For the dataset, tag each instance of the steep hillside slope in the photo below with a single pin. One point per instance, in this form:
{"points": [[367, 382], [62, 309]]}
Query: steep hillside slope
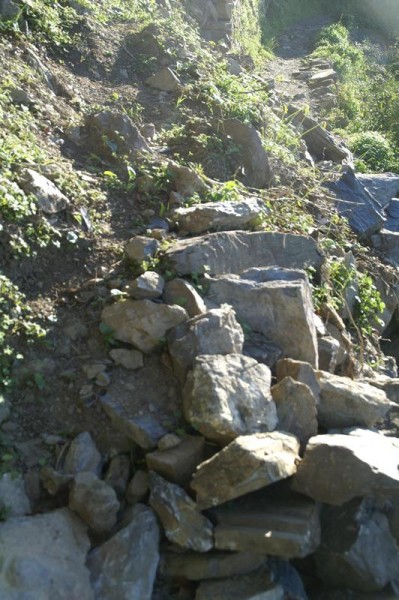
{"points": [[199, 297]]}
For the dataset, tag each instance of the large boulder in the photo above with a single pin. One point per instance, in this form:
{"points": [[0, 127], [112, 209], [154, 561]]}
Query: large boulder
{"points": [[214, 332], [44, 557], [247, 464], [221, 216], [228, 396], [183, 523], [281, 310], [347, 403], [124, 567], [357, 548], [258, 172], [237, 251], [142, 323], [340, 466]]}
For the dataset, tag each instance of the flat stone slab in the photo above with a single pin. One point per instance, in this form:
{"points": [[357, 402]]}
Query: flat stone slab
{"points": [[249, 463], [196, 566], [275, 522], [256, 586], [236, 251], [340, 466], [221, 216], [382, 186], [347, 403]]}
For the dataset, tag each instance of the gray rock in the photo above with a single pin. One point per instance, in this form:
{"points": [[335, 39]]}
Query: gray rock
{"points": [[258, 172], [20, 96], [169, 441], [329, 350], [117, 474], [9, 10], [148, 285], [321, 76], [214, 332], [4, 409], [258, 347], [138, 488], [124, 567], [142, 323], [382, 186], [228, 396], [257, 586], [94, 501], [44, 557], [300, 371], [388, 385], [186, 181], [49, 198], [247, 464], [274, 521], [211, 565], [82, 455], [144, 404], [165, 80], [296, 409], [14, 501], [183, 523], [280, 310], [234, 252], [321, 144], [357, 548], [129, 359], [55, 482], [144, 430], [370, 467], [347, 403], [178, 464], [141, 248], [181, 292], [221, 216], [354, 201], [289, 579], [34, 61], [113, 134]]}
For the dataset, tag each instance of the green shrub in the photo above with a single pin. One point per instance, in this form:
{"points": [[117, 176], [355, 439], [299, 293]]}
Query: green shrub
{"points": [[373, 152]]}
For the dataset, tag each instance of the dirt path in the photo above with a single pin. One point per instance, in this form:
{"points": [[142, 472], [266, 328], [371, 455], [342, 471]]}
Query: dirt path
{"points": [[293, 46]]}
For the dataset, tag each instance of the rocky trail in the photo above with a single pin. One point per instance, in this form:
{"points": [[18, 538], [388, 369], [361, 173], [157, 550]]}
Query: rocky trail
{"points": [[193, 428]]}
